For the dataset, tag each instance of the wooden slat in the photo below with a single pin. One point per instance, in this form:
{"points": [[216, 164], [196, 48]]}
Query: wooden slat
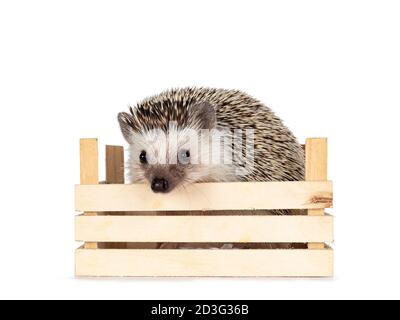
{"points": [[89, 171], [206, 196], [114, 164], [114, 174], [316, 159], [204, 228], [89, 163], [205, 263], [316, 170]]}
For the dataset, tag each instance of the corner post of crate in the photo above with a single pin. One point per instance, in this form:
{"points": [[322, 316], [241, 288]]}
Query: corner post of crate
{"points": [[316, 155], [89, 167]]}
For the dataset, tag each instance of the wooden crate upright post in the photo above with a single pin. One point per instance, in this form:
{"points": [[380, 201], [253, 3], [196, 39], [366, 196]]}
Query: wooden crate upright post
{"points": [[316, 170], [115, 175], [89, 166], [115, 165]]}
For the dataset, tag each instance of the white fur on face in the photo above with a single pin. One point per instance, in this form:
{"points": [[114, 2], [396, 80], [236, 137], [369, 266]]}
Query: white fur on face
{"points": [[210, 154]]}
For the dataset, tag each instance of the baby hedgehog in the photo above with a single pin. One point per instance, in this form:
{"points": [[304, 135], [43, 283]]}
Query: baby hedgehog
{"points": [[190, 135]]}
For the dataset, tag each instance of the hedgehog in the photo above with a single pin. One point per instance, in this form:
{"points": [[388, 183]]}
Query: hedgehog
{"points": [[164, 133]]}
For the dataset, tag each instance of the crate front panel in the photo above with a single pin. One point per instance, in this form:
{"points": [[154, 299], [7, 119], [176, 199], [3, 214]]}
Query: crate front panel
{"points": [[204, 228], [206, 196], [204, 263]]}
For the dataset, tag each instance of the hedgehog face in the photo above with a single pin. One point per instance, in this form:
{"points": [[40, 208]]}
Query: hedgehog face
{"points": [[172, 157], [164, 160]]}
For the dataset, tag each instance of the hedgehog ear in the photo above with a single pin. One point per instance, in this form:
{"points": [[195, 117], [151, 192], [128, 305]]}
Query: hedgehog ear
{"points": [[127, 126], [203, 115]]}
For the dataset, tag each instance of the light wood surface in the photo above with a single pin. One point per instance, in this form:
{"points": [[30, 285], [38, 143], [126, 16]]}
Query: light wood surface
{"points": [[316, 159], [204, 228], [316, 170], [205, 196], [89, 163], [89, 171], [205, 263]]}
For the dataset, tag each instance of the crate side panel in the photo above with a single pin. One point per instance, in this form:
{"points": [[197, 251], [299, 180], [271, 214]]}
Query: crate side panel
{"points": [[204, 263], [204, 228], [206, 196]]}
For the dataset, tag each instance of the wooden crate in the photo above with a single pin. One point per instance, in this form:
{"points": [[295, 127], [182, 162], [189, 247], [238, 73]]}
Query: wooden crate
{"points": [[121, 244]]}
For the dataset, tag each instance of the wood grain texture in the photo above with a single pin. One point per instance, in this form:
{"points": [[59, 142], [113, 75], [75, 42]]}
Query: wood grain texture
{"points": [[316, 159], [316, 170], [89, 161], [206, 196], [89, 171], [204, 263], [114, 164], [204, 228], [115, 173]]}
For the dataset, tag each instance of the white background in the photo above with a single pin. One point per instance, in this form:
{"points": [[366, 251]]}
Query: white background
{"points": [[328, 68]]}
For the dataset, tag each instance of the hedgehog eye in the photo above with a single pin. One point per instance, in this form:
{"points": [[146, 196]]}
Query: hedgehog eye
{"points": [[143, 157], [184, 156]]}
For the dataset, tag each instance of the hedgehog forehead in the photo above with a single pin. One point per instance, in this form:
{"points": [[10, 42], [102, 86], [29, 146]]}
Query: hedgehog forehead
{"points": [[158, 114], [157, 141]]}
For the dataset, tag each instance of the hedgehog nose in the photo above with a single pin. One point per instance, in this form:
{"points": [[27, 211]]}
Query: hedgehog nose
{"points": [[159, 185]]}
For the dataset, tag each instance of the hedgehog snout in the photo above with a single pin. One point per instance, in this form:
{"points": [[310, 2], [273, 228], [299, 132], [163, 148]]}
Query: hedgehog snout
{"points": [[160, 185]]}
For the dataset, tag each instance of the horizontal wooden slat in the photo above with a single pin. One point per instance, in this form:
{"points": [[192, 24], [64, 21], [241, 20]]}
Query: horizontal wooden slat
{"points": [[204, 228], [206, 196], [205, 263]]}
